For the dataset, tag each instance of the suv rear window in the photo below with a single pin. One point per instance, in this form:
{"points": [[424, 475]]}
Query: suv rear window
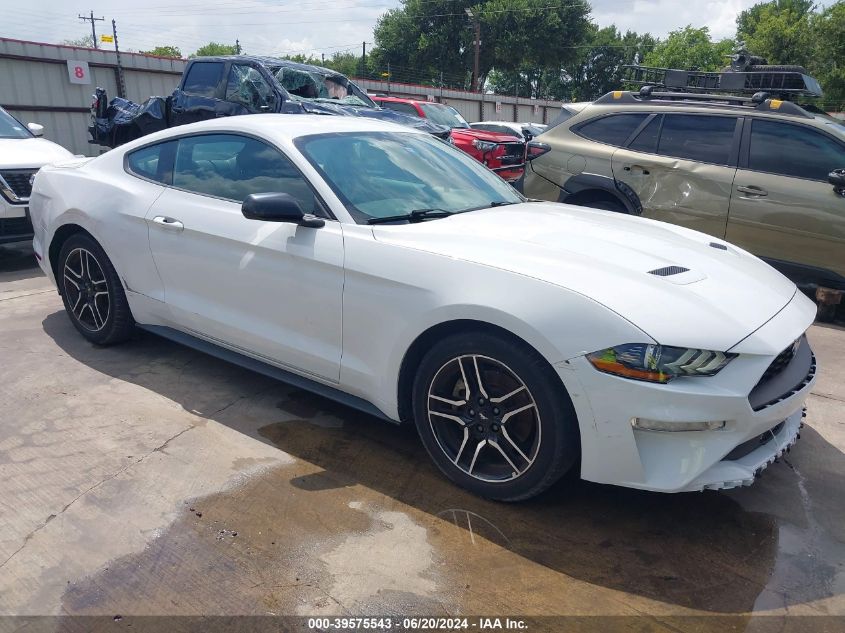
{"points": [[613, 130], [202, 78], [702, 138]]}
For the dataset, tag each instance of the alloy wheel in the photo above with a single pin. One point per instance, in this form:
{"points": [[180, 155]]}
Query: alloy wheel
{"points": [[484, 418], [86, 289]]}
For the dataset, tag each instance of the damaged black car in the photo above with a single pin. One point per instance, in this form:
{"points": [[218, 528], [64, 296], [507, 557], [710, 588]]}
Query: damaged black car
{"points": [[212, 87]]}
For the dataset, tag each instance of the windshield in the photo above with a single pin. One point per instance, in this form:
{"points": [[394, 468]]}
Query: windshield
{"points": [[444, 115], [314, 86], [10, 127], [382, 174]]}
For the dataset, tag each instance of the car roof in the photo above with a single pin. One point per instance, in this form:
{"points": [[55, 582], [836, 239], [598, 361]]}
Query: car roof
{"points": [[271, 61], [277, 127]]}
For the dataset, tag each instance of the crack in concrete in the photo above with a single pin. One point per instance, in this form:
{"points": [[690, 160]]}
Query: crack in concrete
{"points": [[28, 537], [827, 396], [29, 294]]}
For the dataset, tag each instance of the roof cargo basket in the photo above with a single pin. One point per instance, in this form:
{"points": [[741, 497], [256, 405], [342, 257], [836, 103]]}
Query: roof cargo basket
{"points": [[783, 83]]}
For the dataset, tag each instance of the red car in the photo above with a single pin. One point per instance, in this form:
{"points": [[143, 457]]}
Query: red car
{"points": [[503, 153]]}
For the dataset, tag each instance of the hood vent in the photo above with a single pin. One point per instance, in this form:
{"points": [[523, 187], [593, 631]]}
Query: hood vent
{"points": [[721, 247], [668, 271]]}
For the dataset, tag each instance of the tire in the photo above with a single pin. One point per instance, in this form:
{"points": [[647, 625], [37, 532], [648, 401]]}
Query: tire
{"points": [[92, 293], [605, 205], [509, 446]]}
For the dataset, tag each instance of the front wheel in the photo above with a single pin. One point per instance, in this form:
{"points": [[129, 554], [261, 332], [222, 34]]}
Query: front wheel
{"points": [[494, 417], [92, 292]]}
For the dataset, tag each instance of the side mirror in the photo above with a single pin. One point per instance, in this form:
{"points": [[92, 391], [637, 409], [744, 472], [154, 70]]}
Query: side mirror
{"points": [[278, 207], [837, 179], [36, 129], [535, 149]]}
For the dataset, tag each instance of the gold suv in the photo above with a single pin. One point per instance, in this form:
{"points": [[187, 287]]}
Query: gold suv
{"points": [[762, 173]]}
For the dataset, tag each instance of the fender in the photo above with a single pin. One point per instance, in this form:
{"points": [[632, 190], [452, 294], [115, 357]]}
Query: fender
{"points": [[619, 190]]}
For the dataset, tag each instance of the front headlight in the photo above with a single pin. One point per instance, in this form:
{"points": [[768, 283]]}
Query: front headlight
{"points": [[484, 146], [658, 363]]}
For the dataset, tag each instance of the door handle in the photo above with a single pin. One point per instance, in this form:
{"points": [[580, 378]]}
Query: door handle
{"points": [[638, 168], [751, 190], [168, 223]]}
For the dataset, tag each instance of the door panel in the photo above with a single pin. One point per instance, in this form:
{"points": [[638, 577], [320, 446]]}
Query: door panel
{"points": [[797, 220], [273, 289], [684, 192]]}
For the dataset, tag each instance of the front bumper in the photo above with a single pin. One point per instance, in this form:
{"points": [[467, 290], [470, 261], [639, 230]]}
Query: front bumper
{"points": [[15, 224], [615, 452]]}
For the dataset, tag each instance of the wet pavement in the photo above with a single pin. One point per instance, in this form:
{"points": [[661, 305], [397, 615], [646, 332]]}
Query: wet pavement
{"points": [[149, 479]]}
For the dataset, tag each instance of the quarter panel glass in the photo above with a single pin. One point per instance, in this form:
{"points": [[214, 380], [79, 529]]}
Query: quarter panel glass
{"points": [[792, 150]]}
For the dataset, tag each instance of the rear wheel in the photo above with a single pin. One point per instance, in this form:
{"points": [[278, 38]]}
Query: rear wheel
{"points": [[598, 201], [92, 293], [494, 417]]}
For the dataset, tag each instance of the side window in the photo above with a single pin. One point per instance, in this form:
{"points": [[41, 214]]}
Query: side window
{"points": [[405, 108], [232, 167], [793, 150], [646, 140], [613, 130], [702, 138], [154, 162], [246, 86], [202, 78]]}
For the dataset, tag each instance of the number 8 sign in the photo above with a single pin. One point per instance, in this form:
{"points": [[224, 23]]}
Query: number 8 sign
{"points": [[78, 72]]}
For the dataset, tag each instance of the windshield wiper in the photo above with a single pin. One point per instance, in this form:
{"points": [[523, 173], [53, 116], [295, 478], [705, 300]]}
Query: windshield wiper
{"points": [[500, 203], [417, 215]]}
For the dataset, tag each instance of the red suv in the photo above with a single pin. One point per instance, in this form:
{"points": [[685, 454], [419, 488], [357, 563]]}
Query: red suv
{"points": [[502, 153]]}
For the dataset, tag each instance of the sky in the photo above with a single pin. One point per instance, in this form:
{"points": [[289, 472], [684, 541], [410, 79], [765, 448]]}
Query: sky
{"points": [[273, 27]]}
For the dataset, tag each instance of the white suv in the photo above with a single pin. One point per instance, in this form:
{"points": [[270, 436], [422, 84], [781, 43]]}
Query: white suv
{"points": [[22, 154]]}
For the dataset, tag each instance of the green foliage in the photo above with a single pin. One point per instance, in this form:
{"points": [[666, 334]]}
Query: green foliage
{"points": [[431, 36], [164, 51], [828, 64], [690, 48], [86, 41], [778, 30], [213, 48]]}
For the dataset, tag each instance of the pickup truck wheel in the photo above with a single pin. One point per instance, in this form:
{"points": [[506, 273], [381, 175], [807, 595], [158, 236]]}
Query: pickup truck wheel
{"points": [[92, 293], [494, 417]]}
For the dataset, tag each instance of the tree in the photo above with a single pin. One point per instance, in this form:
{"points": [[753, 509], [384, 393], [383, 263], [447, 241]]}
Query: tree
{"points": [[427, 37], [828, 63], [213, 48], [86, 41], [778, 30], [690, 48], [165, 51]]}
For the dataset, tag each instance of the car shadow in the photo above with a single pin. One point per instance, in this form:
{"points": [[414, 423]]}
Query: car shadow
{"points": [[17, 262], [714, 551]]}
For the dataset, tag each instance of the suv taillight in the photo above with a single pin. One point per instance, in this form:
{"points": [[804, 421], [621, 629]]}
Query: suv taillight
{"points": [[533, 149]]}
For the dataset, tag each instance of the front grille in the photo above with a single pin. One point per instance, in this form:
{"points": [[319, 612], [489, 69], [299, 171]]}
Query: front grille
{"points": [[754, 443], [15, 226], [18, 182], [792, 370], [781, 361]]}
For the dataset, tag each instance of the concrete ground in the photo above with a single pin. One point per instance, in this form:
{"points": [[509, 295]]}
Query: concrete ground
{"points": [[151, 479]]}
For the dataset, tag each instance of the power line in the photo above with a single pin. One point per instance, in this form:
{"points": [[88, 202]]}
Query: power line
{"points": [[92, 20]]}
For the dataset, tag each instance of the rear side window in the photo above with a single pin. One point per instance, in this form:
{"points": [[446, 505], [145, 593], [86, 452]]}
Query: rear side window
{"points": [[706, 139], [646, 140], [154, 162], [405, 108], [792, 150], [613, 130], [203, 78]]}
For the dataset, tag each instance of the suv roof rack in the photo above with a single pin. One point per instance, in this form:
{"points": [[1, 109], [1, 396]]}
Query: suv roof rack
{"points": [[785, 83], [759, 101]]}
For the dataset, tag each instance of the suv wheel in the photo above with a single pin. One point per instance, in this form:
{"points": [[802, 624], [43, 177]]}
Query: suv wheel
{"points": [[494, 417], [92, 293]]}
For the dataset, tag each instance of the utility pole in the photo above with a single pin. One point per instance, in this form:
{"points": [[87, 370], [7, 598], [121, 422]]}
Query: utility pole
{"points": [[238, 46], [477, 26], [92, 20], [388, 78], [121, 80], [363, 59]]}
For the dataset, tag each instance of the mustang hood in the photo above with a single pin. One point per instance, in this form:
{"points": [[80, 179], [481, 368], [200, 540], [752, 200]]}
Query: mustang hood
{"points": [[679, 286], [30, 152]]}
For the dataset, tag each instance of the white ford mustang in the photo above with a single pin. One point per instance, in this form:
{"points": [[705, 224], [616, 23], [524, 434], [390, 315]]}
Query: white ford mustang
{"points": [[384, 268]]}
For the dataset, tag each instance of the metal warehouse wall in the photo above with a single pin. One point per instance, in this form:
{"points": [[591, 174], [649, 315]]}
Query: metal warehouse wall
{"points": [[35, 85], [472, 105]]}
